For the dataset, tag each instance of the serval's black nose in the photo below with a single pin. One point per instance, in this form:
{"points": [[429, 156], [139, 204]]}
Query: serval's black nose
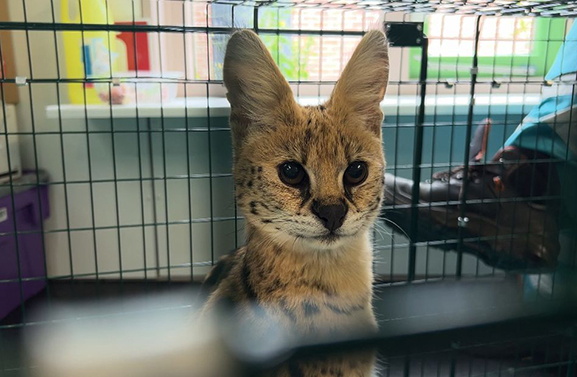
{"points": [[332, 216]]}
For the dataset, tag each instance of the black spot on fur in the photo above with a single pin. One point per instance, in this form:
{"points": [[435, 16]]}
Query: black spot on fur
{"points": [[259, 272], [347, 147], [245, 279], [373, 205], [275, 286], [310, 308], [259, 169], [287, 311], [305, 194], [316, 286], [264, 206], [309, 122], [323, 288], [306, 143], [254, 211], [219, 272], [249, 184], [252, 170], [308, 136], [266, 221], [344, 311], [322, 108]]}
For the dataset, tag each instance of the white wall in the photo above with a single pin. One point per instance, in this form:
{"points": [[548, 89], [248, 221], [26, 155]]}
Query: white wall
{"points": [[122, 241], [81, 206]]}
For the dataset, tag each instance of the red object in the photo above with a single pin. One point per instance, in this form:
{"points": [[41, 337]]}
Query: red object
{"points": [[141, 57]]}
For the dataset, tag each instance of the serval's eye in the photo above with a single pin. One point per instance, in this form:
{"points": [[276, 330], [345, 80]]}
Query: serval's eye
{"points": [[291, 173], [356, 173]]}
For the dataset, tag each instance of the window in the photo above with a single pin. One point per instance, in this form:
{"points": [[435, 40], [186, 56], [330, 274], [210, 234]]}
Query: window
{"points": [[300, 57], [508, 46]]}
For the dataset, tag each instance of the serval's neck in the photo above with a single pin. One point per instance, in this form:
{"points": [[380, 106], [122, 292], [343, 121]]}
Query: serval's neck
{"points": [[344, 271]]}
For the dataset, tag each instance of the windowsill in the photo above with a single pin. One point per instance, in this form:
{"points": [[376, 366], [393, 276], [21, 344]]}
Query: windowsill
{"points": [[201, 107]]}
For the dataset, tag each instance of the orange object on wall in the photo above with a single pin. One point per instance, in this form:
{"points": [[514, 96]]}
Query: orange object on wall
{"points": [[137, 54]]}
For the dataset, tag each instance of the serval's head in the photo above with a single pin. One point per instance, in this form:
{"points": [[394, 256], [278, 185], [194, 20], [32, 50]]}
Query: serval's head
{"points": [[307, 175]]}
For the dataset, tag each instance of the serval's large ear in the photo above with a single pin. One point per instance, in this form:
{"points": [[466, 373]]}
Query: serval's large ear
{"points": [[363, 83], [258, 93]]}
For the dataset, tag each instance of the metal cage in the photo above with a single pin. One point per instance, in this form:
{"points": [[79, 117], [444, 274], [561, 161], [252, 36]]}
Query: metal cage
{"points": [[106, 194]]}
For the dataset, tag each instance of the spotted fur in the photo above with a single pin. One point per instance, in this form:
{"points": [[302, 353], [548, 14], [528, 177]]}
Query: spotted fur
{"points": [[311, 283]]}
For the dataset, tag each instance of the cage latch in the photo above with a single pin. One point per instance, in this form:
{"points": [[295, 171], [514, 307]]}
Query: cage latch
{"points": [[21, 81]]}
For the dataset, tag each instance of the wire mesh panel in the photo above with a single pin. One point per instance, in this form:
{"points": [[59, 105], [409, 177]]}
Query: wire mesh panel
{"points": [[115, 149]]}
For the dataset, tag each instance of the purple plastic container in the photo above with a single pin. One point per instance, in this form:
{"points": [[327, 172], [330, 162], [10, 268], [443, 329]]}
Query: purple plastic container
{"points": [[29, 217]]}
